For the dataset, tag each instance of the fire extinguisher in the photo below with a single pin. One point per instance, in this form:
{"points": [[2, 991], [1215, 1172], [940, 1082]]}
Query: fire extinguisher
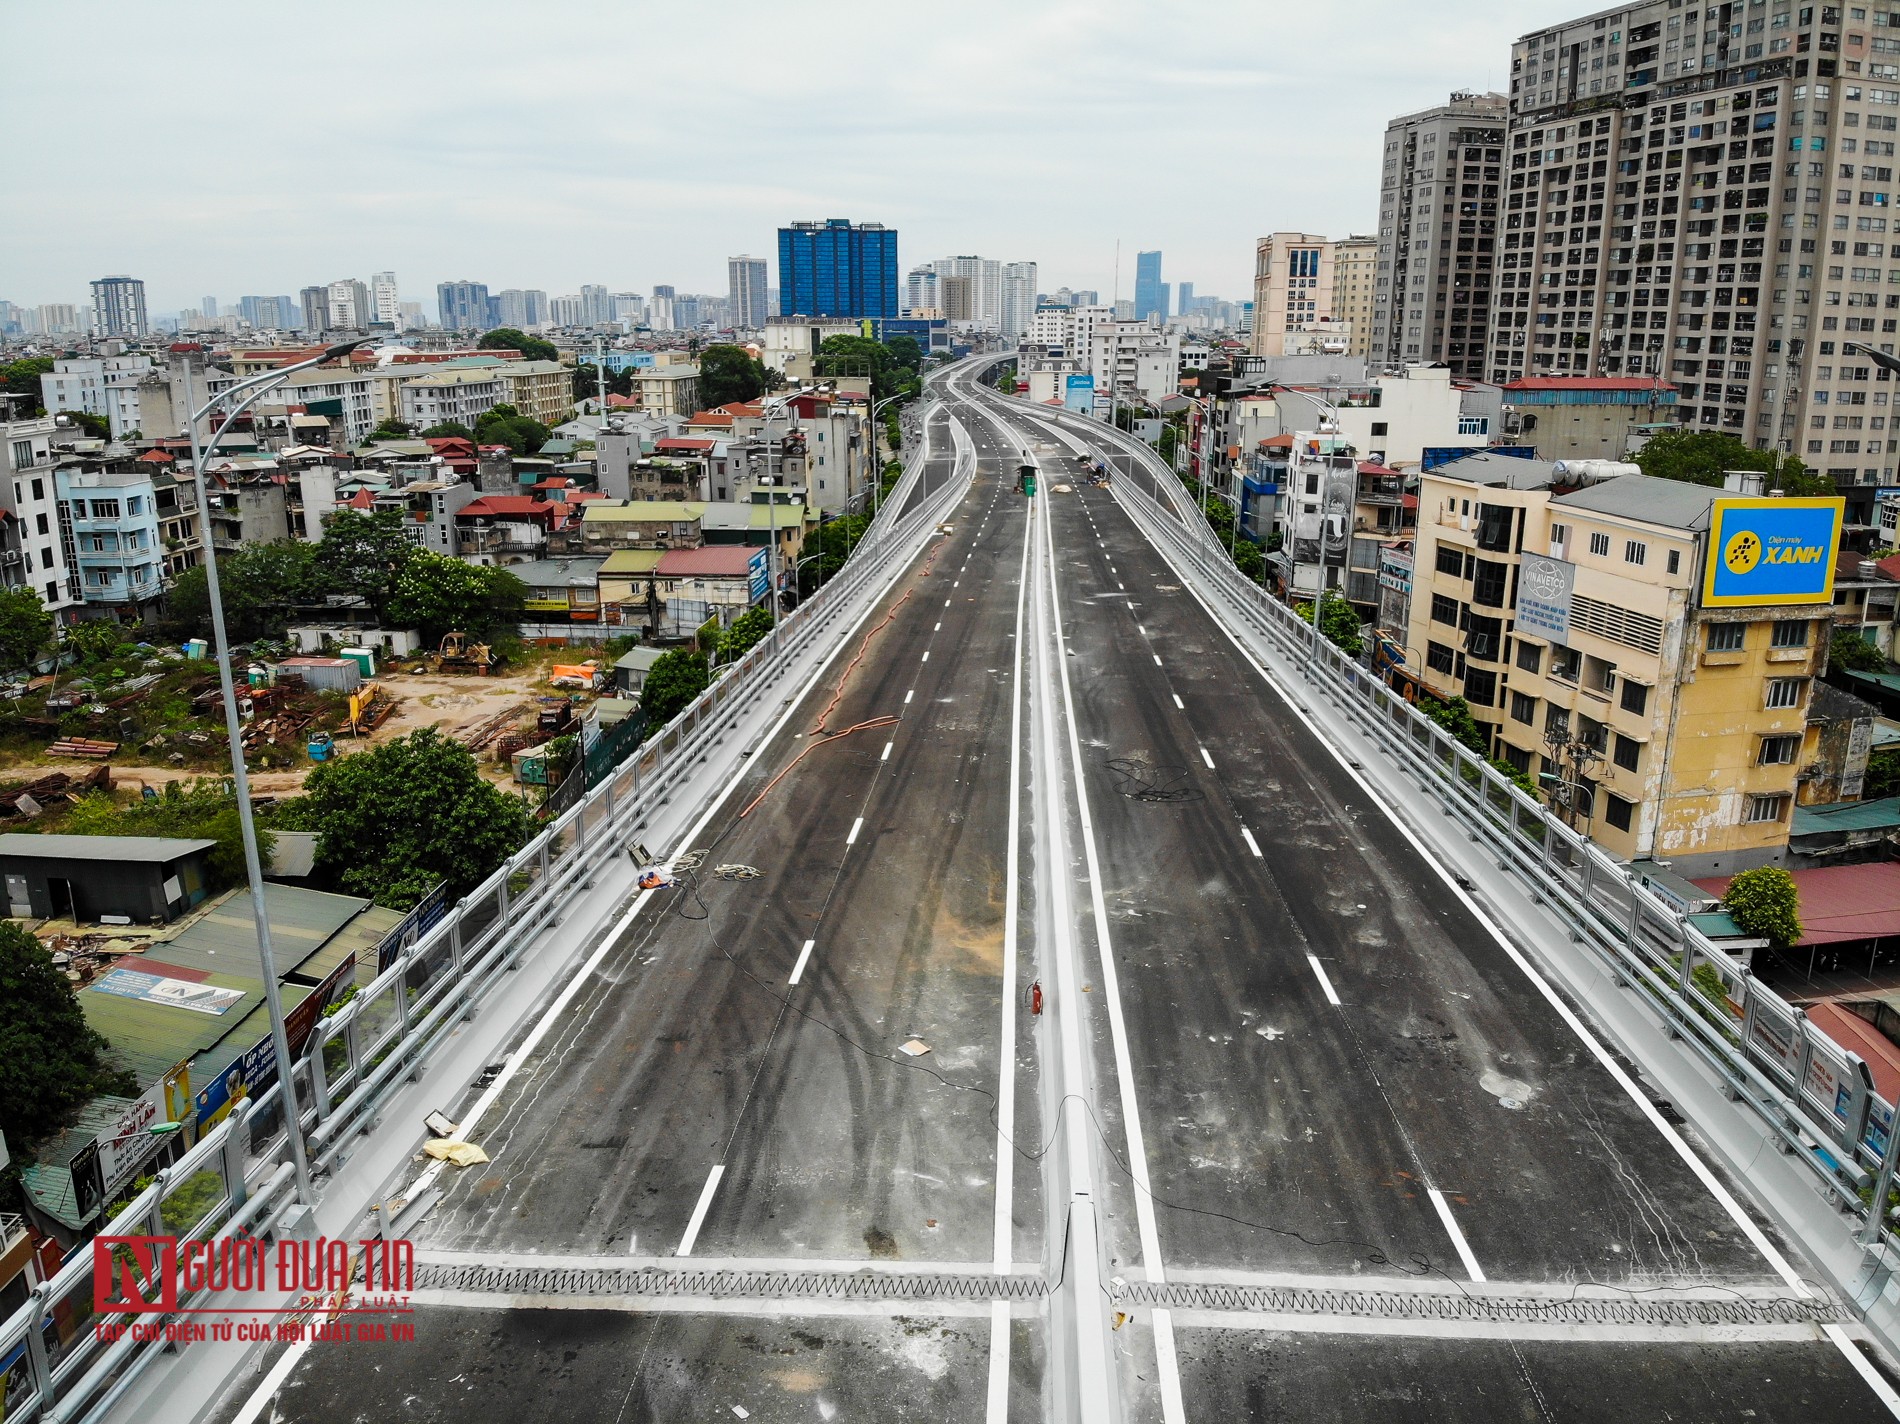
{"points": [[1035, 999]]}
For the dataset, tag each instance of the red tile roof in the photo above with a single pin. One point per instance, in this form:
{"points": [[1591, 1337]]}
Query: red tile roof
{"points": [[713, 561], [615, 402], [1373, 467], [1277, 442], [1840, 903], [503, 504], [1889, 567], [685, 447], [156, 457], [1856, 1035]]}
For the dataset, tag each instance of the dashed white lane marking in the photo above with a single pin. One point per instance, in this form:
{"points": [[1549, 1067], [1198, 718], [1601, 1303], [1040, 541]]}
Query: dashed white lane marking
{"points": [[1141, 630], [798, 969], [1204, 756], [1332, 995], [699, 1211], [887, 751], [926, 655], [856, 826], [1457, 1236], [908, 695], [1157, 658], [1252, 844], [1178, 702], [937, 629]]}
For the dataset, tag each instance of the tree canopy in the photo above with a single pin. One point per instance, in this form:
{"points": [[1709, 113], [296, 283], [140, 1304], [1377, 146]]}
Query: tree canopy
{"points": [[674, 680], [259, 584], [362, 554], [859, 356], [505, 425], [392, 429], [1848, 651], [729, 373], [435, 594], [587, 382], [25, 627], [22, 378], [206, 810], [532, 347], [395, 820], [1338, 622], [51, 1061], [1701, 457], [1765, 901], [449, 430], [95, 426]]}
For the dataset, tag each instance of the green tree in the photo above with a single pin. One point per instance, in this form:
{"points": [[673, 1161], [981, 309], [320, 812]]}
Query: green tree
{"points": [[1007, 385], [258, 584], [858, 356], [448, 430], [907, 354], [745, 630], [22, 378], [587, 382], [1848, 651], [1339, 622], [504, 425], [93, 639], [1701, 457], [393, 821], [531, 347], [1883, 774], [1454, 715], [831, 544], [205, 810], [729, 373], [25, 627], [362, 554], [393, 429], [96, 426], [435, 594], [51, 1061], [674, 680], [1765, 902]]}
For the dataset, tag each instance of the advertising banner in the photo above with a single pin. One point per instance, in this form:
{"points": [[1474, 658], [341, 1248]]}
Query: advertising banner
{"points": [[257, 1067], [758, 575], [1771, 551], [1078, 394], [1544, 588], [411, 927], [177, 993]]}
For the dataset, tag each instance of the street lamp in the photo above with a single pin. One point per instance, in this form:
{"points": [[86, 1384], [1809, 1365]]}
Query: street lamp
{"points": [[877, 472], [234, 731]]}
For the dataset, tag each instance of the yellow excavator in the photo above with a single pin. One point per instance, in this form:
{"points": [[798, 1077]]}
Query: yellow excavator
{"points": [[458, 653]]}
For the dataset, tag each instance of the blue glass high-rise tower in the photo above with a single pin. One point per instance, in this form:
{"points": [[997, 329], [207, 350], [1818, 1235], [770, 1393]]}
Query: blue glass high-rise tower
{"points": [[837, 268], [1151, 293]]}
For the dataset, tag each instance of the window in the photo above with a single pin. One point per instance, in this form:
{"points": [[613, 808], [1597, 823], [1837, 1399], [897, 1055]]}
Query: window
{"points": [[1523, 708], [1726, 637], [1635, 697], [1766, 808], [1481, 687], [1530, 656], [1629, 752], [1439, 658], [1600, 545], [1617, 811], [1451, 560], [1444, 609], [1566, 664], [135, 504], [1675, 561], [1490, 583], [105, 509], [1785, 691], [1559, 537], [1778, 751], [22, 454], [1790, 633]]}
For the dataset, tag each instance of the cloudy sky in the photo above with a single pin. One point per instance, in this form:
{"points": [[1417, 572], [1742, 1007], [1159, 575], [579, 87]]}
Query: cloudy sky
{"points": [[232, 148]]}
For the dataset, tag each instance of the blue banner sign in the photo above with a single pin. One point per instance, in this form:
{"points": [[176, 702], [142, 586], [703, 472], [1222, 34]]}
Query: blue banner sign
{"points": [[1771, 551]]}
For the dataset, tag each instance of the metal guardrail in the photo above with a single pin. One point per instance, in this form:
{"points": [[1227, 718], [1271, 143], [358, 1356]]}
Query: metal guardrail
{"points": [[237, 1177], [1816, 1097]]}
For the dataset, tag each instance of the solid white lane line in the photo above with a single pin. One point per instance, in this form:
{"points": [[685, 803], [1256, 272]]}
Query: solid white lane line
{"points": [[1178, 702], [699, 1211], [887, 751], [1204, 756], [1252, 844], [798, 969], [1451, 1229], [1332, 995], [856, 826], [996, 1406], [1862, 1367], [1173, 1409]]}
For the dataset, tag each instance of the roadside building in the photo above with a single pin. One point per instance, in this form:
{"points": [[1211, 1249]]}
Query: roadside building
{"points": [[140, 879], [1647, 649], [447, 394], [32, 551], [110, 520], [1587, 417]]}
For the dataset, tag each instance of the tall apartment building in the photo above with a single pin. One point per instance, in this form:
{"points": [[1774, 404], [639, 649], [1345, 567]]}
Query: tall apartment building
{"points": [[463, 305], [314, 303], [1703, 195], [385, 301], [1151, 293], [1439, 195], [598, 304], [660, 310], [522, 308], [118, 307], [745, 284], [1292, 287], [32, 549], [1018, 298], [1355, 281], [923, 290], [350, 305], [837, 268], [1646, 648]]}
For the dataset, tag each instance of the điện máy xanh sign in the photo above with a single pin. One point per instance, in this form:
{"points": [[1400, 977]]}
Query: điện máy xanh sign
{"points": [[1771, 551]]}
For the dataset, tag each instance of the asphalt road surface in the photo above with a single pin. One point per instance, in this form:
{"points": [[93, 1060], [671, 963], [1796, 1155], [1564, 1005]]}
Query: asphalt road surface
{"points": [[1369, 1167]]}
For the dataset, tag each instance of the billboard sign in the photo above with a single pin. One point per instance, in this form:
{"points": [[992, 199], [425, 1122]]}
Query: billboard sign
{"points": [[162, 989], [758, 575], [1078, 394], [1771, 551], [428, 913], [256, 1068], [1544, 588]]}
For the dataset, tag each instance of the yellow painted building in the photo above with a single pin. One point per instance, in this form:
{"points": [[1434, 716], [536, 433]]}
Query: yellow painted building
{"points": [[1657, 690]]}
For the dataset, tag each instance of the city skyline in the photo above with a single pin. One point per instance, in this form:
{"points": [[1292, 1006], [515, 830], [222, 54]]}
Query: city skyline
{"points": [[421, 204]]}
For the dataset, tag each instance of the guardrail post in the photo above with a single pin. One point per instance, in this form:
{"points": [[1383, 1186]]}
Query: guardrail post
{"points": [[319, 1079], [237, 1144], [37, 1363]]}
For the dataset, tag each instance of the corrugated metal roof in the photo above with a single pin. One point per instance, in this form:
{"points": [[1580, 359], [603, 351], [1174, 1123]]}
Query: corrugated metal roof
{"points": [[632, 561], [713, 561], [1880, 815], [149, 1038], [551, 573], [152, 850], [1841, 903], [301, 923], [666, 511], [1671, 504]]}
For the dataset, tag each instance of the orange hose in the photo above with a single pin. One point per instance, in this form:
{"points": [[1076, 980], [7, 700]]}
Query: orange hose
{"points": [[811, 746]]}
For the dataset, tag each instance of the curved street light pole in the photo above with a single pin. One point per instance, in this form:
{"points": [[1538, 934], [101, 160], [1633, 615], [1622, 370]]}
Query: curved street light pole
{"points": [[233, 727]]}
